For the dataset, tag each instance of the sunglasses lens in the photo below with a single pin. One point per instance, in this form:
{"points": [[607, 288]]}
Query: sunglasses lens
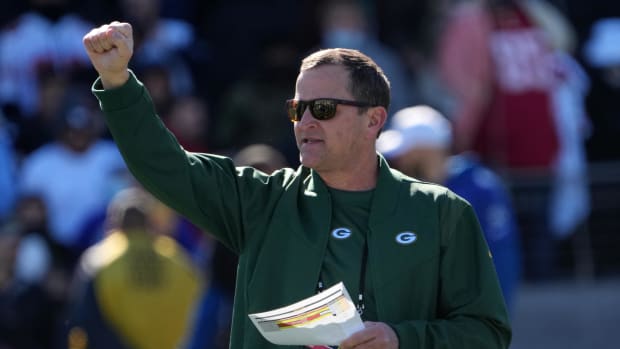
{"points": [[323, 109], [292, 107]]}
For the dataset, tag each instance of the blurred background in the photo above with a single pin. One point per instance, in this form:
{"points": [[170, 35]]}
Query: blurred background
{"points": [[531, 88]]}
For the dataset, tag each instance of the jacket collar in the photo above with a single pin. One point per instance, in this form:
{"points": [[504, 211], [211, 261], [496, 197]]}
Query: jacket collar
{"points": [[385, 197]]}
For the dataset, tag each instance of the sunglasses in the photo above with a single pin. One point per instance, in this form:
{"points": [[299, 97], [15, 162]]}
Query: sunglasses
{"points": [[320, 108]]}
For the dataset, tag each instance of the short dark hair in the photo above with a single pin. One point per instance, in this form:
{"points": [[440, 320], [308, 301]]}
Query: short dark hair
{"points": [[367, 82], [130, 209]]}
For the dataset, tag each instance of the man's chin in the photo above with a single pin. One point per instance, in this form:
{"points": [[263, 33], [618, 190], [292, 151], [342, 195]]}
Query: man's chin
{"points": [[308, 161]]}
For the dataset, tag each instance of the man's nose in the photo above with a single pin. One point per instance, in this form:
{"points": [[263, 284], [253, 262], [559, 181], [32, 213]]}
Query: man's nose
{"points": [[306, 117]]}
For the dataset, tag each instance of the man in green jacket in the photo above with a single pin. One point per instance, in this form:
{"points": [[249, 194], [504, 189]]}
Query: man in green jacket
{"points": [[411, 252]]}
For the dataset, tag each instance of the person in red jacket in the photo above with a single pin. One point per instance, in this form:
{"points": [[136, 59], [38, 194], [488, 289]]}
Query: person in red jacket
{"points": [[499, 62]]}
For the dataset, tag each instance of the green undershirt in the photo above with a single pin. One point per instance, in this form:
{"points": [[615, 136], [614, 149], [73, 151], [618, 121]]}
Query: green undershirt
{"points": [[343, 259]]}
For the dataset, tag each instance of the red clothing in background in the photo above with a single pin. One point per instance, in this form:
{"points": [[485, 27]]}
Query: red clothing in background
{"points": [[502, 74]]}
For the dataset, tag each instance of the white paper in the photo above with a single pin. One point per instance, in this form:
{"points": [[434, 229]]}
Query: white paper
{"points": [[326, 318]]}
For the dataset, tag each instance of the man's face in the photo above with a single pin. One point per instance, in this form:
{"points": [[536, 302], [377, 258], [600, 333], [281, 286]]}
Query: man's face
{"points": [[336, 144]]}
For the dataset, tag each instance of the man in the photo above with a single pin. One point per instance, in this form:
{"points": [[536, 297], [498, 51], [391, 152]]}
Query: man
{"points": [[418, 143], [425, 280]]}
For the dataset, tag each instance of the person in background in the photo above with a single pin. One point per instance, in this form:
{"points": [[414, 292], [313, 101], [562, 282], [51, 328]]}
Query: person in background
{"points": [[350, 24], [73, 174], [418, 142], [8, 175], [262, 157], [34, 278], [189, 121], [212, 325], [136, 289], [162, 42], [602, 57], [412, 253], [45, 37], [498, 64], [39, 129], [498, 60]]}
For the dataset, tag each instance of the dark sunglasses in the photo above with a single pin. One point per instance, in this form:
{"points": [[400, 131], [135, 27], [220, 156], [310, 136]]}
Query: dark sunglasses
{"points": [[320, 108]]}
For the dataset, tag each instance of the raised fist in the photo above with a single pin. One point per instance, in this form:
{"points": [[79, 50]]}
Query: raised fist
{"points": [[110, 48]]}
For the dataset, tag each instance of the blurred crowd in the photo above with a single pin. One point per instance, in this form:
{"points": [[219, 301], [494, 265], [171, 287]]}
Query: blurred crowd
{"points": [[530, 88]]}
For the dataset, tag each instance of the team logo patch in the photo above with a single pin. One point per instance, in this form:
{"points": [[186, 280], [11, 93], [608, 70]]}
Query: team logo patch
{"points": [[341, 233], [406, 238]]}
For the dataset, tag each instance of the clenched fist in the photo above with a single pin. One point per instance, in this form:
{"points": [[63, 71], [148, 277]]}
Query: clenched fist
{"points": [[110, 48]]}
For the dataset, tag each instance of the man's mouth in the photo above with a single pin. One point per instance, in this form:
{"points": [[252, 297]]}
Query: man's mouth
{"points": [[310, 140]]}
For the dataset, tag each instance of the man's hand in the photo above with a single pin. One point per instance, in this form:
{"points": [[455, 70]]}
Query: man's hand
{"points": [[110, 48], [375, 335]]}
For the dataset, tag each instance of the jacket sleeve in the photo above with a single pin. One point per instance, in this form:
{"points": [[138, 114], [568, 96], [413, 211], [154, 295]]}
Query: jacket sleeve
{"points": [[471, 310], [205, 188]]}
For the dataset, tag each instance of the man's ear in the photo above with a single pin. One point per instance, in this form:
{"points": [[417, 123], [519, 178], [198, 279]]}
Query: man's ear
{"points": [[377, 119]]}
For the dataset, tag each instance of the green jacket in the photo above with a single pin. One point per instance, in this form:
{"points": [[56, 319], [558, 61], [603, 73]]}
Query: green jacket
{"points": [[439, 292]]}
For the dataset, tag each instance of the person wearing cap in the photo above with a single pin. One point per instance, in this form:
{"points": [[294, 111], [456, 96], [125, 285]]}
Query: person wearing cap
{"points": [[410, 253], [137, 287], [419, 142]]}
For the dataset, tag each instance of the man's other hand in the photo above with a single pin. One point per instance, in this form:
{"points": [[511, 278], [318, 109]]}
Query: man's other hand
{"points": [[375, 335]]}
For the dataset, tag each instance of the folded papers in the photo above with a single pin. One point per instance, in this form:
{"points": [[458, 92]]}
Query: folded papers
{"points": [[326, 318]]}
